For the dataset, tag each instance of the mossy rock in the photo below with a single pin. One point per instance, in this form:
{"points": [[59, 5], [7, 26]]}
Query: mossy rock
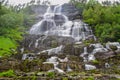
{"points": [[33, 65], [47, 67], [113, 47]]}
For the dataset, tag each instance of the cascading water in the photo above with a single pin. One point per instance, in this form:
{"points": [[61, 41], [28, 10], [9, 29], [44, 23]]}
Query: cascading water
{"points": [[54, 61], [56, 23]]}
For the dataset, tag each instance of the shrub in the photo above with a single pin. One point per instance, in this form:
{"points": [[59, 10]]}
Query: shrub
{"points": [[9, 73]]}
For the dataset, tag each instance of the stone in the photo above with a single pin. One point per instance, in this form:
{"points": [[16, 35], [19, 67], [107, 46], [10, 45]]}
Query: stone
{"points": [[89, 67], [104, 55]]}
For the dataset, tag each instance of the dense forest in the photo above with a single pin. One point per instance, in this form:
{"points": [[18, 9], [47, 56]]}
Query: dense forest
{"points": [[11, 26], [14, 20], [103, 17]]}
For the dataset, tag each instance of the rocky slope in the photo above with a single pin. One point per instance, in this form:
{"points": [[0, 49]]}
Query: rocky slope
{"points": [[53, 57]]}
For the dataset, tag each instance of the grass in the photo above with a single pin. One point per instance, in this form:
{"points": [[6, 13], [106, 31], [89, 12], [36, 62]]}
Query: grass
{"points": [[6, 45]]}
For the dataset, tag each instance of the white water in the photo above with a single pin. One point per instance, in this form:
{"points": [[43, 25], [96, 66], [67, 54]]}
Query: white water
{"points": [[56, 23], [98, 48], [37, 42], [24, 56], [68, 68], [85, 52], [22, 50], [63, 60], [117, 44], [56, 50], [90, 56], [89, 67], [54, 60]]}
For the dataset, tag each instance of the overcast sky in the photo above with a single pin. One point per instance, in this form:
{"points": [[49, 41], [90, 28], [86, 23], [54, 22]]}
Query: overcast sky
{"points": [[14, 2]]}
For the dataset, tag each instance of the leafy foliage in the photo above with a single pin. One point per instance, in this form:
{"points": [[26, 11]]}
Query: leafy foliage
{"points": [[105, 20], [51, 74], [6, 45], [11, 30], [14, 20], [9, 73]]}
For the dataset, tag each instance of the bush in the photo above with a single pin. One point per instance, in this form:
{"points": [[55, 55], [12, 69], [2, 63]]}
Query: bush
{"points": [[105, 20], [6, 46], [9, 73]]}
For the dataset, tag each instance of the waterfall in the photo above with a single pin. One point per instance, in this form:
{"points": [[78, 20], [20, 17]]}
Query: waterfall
{"points": [[56, 50], [58, 9], [68, 68], [54, 22], [85, 52], [54, 61], [117, 44]]}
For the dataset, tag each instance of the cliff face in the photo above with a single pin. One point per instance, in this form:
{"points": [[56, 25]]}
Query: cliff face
{"points": [[67, 9]]}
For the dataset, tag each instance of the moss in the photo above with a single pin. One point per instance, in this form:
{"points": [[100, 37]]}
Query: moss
{"points": [[51, 74], [90, 78], [28, 65], [64, 78], [95, 61], [34, 77], [88, 42], [9, 73], [54, 44], [113, 48]]}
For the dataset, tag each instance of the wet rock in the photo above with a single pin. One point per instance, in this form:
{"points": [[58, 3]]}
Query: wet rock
{"points": [[6, 64], [117, 52], [41, 74], [43, 43], [29, 56], [47, 67], [27, 65], [89, 67], [68, 49], [30, 74], [104, 55], [67, 9], [70, 11]]}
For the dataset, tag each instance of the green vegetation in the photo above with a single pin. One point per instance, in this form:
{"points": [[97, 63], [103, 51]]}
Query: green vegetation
{"points": [[64, 78], [104, 18], [6, 45], [95, 61], [10, 30], [51, 74], [90, 78], [14, 20], [9, 73]]}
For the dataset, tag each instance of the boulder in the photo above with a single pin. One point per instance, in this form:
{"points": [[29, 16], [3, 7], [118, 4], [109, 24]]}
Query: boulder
{"points": [[67, 9], [70, 11], [37, 43], [104, 55]]}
